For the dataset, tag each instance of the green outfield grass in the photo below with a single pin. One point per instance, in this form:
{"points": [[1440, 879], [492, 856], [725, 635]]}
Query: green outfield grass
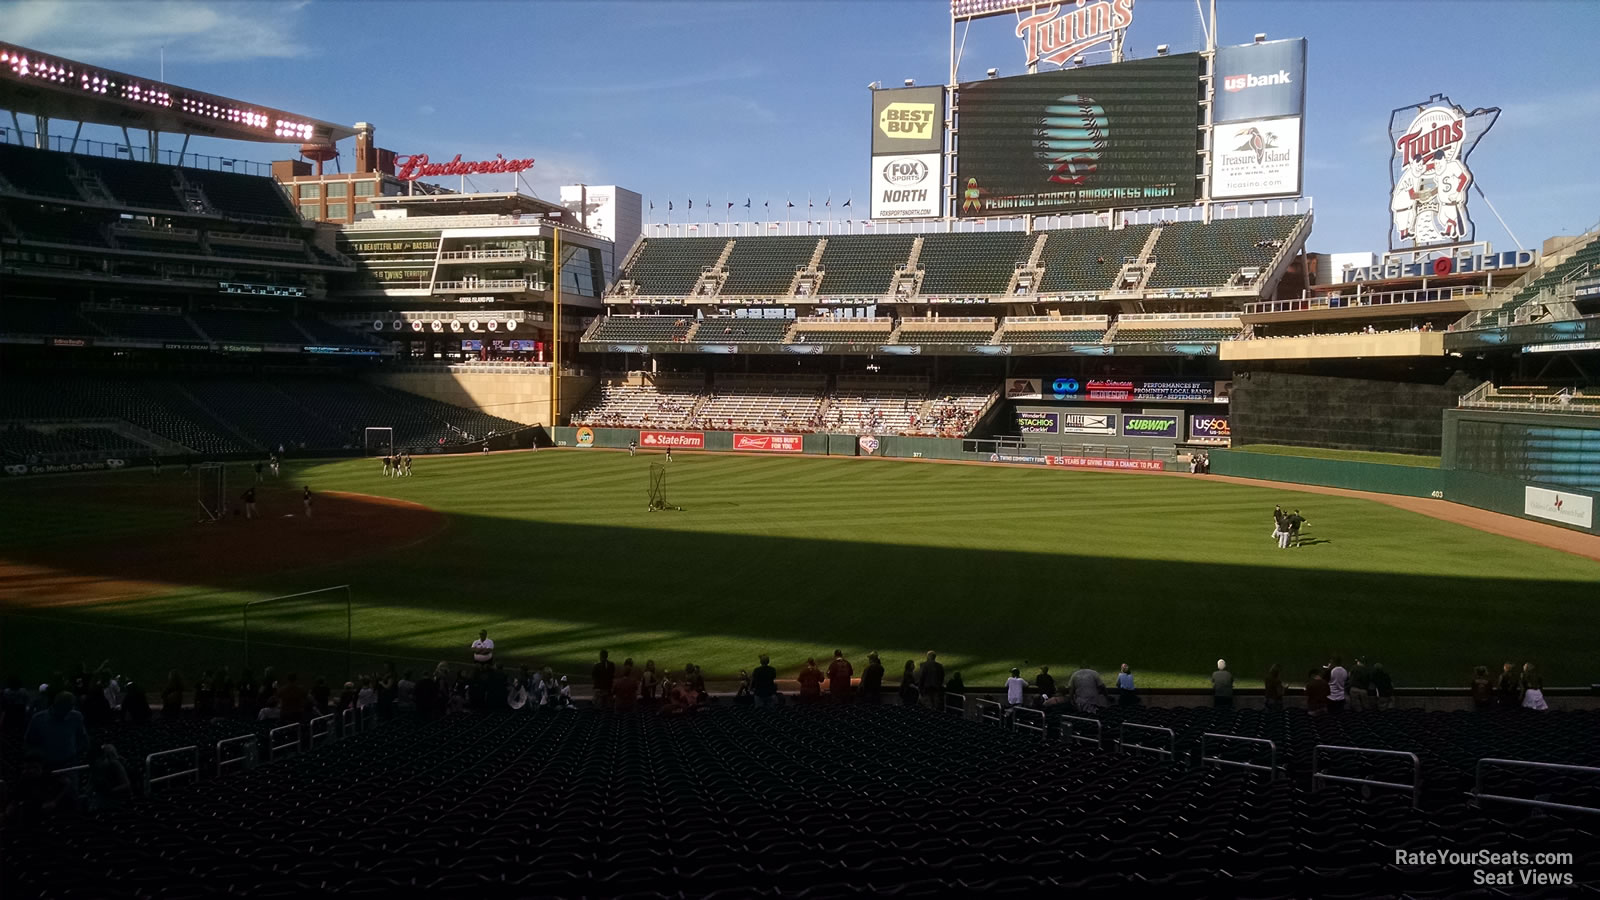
{"points": [[557, 556], [1366, 456]]}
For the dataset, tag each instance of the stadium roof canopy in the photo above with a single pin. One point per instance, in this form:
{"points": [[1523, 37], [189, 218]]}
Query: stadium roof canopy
{"points": [[58, 88]]}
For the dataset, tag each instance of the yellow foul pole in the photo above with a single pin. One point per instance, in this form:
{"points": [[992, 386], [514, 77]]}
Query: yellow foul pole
{"points": [[555, 334]]}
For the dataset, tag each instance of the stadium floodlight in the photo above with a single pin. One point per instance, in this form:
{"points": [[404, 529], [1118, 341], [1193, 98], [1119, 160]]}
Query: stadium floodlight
{"points": [[1161, 49], [875, 86], [910, 82], [1261, 37], [993, 73], [1077, 61]]}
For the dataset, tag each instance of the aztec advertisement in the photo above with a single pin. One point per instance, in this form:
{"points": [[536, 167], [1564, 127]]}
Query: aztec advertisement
{"points": [[1074, 423], [769, 443], [1260, 81], [1095, 138], [907, 187], [1260, 158]]}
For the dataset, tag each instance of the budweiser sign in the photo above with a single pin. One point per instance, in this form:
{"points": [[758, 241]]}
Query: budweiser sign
{"points": [[410, 168], [769, 443], [1064, 30]]}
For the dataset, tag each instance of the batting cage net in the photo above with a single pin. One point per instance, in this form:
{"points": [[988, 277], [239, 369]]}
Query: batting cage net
{"points": [[658, 487], [307, 633], [211, 490], [379, 441]]}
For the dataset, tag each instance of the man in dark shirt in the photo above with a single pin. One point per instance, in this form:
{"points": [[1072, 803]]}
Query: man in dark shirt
{"points": [[249, 498], [258, 471], [1293, 522], [764, 682], [871, 679], [1045, 683], [930, 680], [292, 699], [605, 671], [1510, 692]]}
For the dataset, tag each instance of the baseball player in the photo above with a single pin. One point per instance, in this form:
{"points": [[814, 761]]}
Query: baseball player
{"points": [[1294, 521], [632, 446], [249, 498], [258, 471], [273, 462], [408, 463], [669, 454], [387, 460], [1277, 525]]}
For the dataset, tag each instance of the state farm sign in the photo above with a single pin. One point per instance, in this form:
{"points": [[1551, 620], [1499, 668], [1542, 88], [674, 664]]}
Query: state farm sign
{"points": [[769, 443], [667, 440], [410, 168]]}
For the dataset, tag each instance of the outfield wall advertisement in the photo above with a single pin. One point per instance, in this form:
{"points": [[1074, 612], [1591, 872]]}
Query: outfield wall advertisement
{"points": [[769, 443], [1037, 423], [1093, 138], [1150, 426], [1559, 506], [1209, 430], [907, 187], [1106, 391], [1261, 81], [683, 440]]}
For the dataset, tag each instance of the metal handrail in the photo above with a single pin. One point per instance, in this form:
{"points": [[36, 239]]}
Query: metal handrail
{"points": [[1123, 742], [1068, 734], [194, 768], [1018, 713], [247, 759], [368, 716], [348, 724], [272, 740], [1415, 787], [1479, 796], [989, 711], [77, 773], [1272, 759], [327, 734], [958, 709]]}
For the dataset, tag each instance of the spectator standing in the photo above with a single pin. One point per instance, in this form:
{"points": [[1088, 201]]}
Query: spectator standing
{"points": [[172, 695], [1532, 689], [810, 679], [1510, 690], [39, 795], [96, 710], [871, 686], [1482, 689], [930, 681], [205, 698], [625, 688], [1016, 689], [1127, 694], [58, 734], [1381, 687], [1274, 688], [1338, 678], [908, 684], [764, 682], [604, 672], [405, 693], [249, 696], [292, 699], [648, 682], [1222, 685], [1088, 690], [225, 701], [839, 672], [14, 707], [1358, 688], [483, 649], [1317, 693], [108, 778], [135, 705], [1044, 684]]}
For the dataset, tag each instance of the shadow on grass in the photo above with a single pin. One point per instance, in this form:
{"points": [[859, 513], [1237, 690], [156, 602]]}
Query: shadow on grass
{"points": [[554, 593]]}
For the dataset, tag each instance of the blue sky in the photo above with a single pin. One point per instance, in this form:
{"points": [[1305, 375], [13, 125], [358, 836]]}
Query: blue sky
{"points": [[768, 100]]}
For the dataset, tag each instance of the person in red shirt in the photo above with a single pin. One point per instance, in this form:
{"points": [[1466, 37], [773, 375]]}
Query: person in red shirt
{"points": [[839, 672], [625, 688], [1317, 693], [810, 679]]}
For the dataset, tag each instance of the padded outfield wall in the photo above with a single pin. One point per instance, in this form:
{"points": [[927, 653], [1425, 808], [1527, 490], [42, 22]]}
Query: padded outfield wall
{"points": [[1301, 409]]}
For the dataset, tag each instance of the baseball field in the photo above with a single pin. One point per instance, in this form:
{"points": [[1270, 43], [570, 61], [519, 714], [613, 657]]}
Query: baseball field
{"points": [[557, 556]]}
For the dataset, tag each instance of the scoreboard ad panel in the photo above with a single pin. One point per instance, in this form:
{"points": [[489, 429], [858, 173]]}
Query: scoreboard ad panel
{"points": [[1102, 137]]}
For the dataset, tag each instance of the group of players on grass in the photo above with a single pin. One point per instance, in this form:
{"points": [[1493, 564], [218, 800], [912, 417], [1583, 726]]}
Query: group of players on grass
{"points": [[1286, 527], [397, 465]]}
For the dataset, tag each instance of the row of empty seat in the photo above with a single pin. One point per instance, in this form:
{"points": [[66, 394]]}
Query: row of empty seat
{"points": [[65, 319], [666, 329], [807, 404], [808, 802], [142, 185], [223, 415], [1187, 255]]}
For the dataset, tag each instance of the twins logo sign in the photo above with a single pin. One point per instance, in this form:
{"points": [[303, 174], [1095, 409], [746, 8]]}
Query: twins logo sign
{"points": [[1428, 169]]}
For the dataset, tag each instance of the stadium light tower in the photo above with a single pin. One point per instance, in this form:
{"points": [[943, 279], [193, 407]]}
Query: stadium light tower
{"points": [[911, 82], [1261, 37], [993, 73]]}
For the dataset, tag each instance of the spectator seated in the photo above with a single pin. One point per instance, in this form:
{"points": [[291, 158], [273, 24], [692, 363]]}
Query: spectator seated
{"points": [[638, 400], [763, 403], [740, 330]]}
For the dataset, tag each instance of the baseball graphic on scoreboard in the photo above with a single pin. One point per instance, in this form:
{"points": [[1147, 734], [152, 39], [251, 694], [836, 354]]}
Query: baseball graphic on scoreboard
{"points": [[1070, 137]]}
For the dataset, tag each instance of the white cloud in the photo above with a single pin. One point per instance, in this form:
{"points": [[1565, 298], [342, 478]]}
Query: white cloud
{"points": [[107, 32]]}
